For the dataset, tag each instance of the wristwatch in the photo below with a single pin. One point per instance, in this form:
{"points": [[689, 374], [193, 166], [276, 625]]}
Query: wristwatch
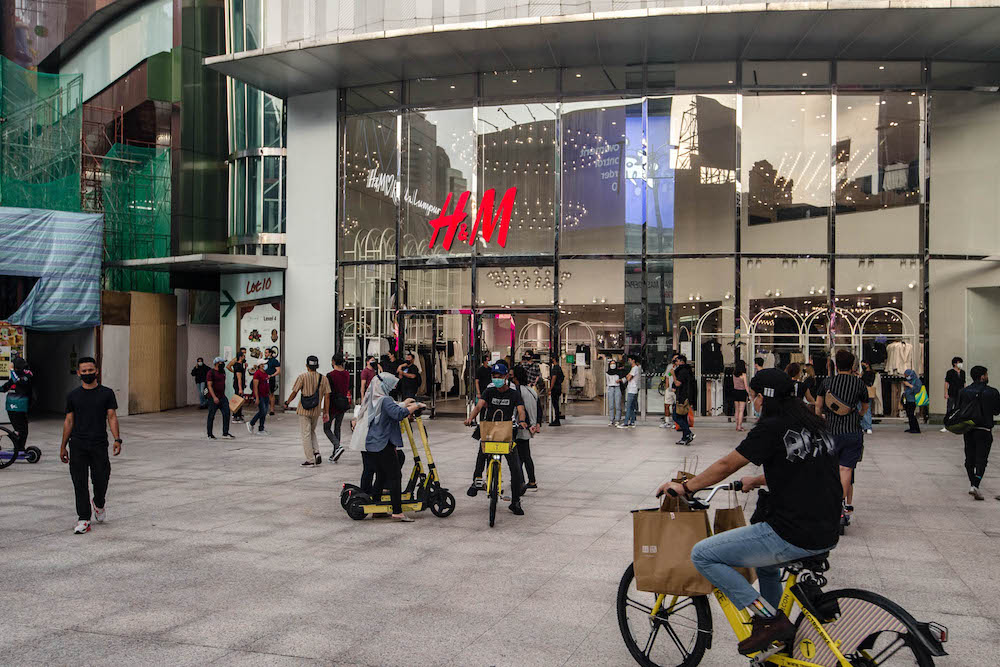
{"points": [[686, 489], [118, 440]]}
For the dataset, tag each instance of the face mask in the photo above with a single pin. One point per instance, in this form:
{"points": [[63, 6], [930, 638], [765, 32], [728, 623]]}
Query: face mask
{"points": [[499, 382], [88, 378], [201, 363], [960, 365], [611, 366]]}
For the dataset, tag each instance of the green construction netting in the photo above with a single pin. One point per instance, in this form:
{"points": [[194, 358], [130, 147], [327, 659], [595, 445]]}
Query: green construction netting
{"points": [[136, 198], [42, 117]]}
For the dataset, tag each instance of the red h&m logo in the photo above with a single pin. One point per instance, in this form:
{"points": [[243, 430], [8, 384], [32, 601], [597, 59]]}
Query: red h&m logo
{"points": [[486, 223]]}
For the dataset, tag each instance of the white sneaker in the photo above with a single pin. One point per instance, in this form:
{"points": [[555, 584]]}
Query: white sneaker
{"points": [[869, 431], [100, 513], [665, 425], [621, 426], [944, 430], [972, 490], [249, 427], [631, 425], [263, 433], [82, 527]]}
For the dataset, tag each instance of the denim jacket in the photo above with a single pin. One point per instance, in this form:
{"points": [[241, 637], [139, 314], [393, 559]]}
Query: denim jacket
{"points": [[385, 431]]}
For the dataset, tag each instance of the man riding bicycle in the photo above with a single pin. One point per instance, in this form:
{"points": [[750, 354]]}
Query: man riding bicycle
{"points": [[799, 517]]}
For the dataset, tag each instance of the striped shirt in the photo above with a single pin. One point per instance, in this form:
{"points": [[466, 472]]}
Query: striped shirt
{"points": [[849, 390], [307, 383]]}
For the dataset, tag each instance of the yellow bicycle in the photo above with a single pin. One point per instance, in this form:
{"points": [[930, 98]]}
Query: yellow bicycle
{"points": [[841, 628], [494, 477]]}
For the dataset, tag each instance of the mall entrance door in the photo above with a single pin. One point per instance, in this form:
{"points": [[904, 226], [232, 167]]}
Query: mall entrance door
{"points": [[511, 333], [441, 343]]}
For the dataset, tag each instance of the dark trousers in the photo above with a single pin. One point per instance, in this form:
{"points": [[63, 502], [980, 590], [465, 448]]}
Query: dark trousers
{"points": [[524, 453], [682, 422], [263, 403], [223, 407], [556, 396], [332, 429], [513, 465], [911, 414], [19, 420], [367, 471], [94, 459], [977, 453], [388, 475]]}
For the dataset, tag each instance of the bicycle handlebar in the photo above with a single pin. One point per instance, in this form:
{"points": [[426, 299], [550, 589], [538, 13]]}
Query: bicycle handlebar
{"points": [[703, 504]]}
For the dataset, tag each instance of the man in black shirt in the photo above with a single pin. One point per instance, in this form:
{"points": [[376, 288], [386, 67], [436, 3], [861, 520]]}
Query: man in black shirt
{"points": [[556, 378], [87, 409], [979, 440], [409, 378], [954, 382], [483, 376], [800, 519], [500, 403], [837, 399], [199, 372]]}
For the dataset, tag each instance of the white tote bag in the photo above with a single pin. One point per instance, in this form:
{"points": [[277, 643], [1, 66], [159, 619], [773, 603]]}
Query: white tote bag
{"points": [[360, 433]]}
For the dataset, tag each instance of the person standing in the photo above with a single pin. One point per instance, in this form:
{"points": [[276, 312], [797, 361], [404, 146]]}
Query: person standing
{"points": [[979, 440], [523, 435], [868, 377], [911, 387], [273, 368], [531, 367], [261, 387], [612, 393], [409, 377], [369, 371], [18, 387], [314, 403], [238, 367], [391, 364], [669, 395], [483, 377], [632, 381], [556, 379], [217, 396], [339, 381], [84, 444], [684, 388], [837, 399], [199, 372], [954, 382], [740, 395]]}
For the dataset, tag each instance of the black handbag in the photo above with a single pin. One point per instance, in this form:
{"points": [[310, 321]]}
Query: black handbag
{"points": [[340, 403]]}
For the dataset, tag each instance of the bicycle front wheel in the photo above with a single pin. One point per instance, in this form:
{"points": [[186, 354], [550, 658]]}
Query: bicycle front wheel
{"points": [[8, 448], [494, 489], [870, 630], [677, 636]]}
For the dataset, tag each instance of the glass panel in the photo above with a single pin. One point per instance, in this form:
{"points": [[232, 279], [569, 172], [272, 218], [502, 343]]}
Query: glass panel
{"points": [[239, 116], [439, 159], [239, 199], [272, 189], [602, 177], [586, 79], [436, 288], [786, 73], [274, 115], [949, 74], [691, 75], [515, 286], [367, 308], [255, 111], [786, 172], [438, 91], [520, 83], [236, 29], [253, 17], [965, 164], [371, 98], [659, 331], [253, 196], [878, 172], [518, 149], [886, 73], [370, 211], [691, 195]]}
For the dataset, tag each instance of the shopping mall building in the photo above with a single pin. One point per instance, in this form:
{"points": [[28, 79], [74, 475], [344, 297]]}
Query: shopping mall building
{"points": [[589, 179]]}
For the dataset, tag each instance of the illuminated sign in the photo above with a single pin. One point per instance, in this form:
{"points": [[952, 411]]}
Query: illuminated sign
{"points": [[486, 223]]}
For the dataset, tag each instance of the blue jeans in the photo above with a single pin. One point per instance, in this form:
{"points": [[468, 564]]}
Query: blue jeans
{"points": [[202, 397], [263, 406], [614, 398], [682, 421], [756, 546], [866, 419], [631, 403]]}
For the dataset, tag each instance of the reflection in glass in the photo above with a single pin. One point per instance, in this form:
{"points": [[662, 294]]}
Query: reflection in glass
{"points": [[438, 289], [516, 286], [371, 206], [518, 148]]}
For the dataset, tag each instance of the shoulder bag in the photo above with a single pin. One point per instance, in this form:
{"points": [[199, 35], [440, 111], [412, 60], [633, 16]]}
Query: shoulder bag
{"points": [[311, 401]]}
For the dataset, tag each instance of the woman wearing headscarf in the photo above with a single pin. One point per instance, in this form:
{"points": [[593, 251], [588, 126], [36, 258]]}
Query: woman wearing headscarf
{"points": [[384, 415], [911, 387]]}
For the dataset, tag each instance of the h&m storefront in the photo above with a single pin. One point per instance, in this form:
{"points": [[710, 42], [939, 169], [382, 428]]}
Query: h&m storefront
{"points": [[728, 221]]}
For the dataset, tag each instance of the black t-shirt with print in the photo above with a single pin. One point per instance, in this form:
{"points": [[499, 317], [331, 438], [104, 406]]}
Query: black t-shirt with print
{"points": [[500, 405], [90, 413], [956, 381], [804, 480]]}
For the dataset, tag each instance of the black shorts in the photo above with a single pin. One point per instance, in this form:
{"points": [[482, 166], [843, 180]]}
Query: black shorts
{"points": [[740, 396], [850, 447]]}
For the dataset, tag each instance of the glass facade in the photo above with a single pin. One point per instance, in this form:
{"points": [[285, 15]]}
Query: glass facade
{"points": [[723, 220]]}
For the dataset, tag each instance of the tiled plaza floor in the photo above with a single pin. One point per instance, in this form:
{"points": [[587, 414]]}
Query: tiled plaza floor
{"points": [[227, 552]]}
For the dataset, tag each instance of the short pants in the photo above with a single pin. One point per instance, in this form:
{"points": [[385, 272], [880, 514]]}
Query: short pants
{"points": [[850, 447]]}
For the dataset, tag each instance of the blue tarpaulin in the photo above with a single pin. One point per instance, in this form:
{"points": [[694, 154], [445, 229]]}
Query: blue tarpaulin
{"points": [[63, 250]]}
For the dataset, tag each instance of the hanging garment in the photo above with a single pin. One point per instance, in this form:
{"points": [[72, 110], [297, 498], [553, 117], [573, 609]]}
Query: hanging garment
{"points": [[896, 176], [711, 358], [874, 353], [896, 358], [879, 407], [769, 360]]}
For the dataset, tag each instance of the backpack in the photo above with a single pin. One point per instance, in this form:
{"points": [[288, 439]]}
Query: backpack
{"points": [[963, 418], [312, 401]]}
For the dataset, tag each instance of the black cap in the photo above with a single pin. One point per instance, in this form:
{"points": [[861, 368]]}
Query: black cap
{"points": [[312, 361], [772, 383]]}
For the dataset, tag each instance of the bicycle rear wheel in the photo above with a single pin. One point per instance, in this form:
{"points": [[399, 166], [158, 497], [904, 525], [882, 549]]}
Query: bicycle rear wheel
{"points": [[870, 629], [676, 637], [8, 448], [494, 489]]}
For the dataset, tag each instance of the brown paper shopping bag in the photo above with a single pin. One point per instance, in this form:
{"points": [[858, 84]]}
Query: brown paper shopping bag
{"points": [[496, 429], [662, 543], [727, 519], [236, 402]]}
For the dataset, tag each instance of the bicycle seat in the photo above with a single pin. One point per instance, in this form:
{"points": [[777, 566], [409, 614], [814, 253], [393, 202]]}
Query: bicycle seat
{"points": [[817, 563]]}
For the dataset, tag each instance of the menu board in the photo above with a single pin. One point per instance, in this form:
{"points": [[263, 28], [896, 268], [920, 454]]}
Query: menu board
{"points": [[11, 345], [260, 328]]}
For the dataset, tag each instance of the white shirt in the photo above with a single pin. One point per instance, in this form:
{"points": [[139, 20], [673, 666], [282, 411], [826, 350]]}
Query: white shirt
{"points": [[612, 379], [633, 382]]}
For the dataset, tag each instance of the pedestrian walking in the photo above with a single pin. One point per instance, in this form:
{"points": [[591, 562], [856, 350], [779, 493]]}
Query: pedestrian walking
{"points": [[84, 444], [531, 367], [612, 393], [238, 367], [556, 379], [669, 395], [684, 388], [199, 372], [368, 372], [260, 387], [314, 403], [523, 435], [911, 387], [954, 382], [868, 377], [979, 440], [273, 368], [740, 395], [19, 387], [339, 381], [218, 402], [632, 381], [837, 399]]}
